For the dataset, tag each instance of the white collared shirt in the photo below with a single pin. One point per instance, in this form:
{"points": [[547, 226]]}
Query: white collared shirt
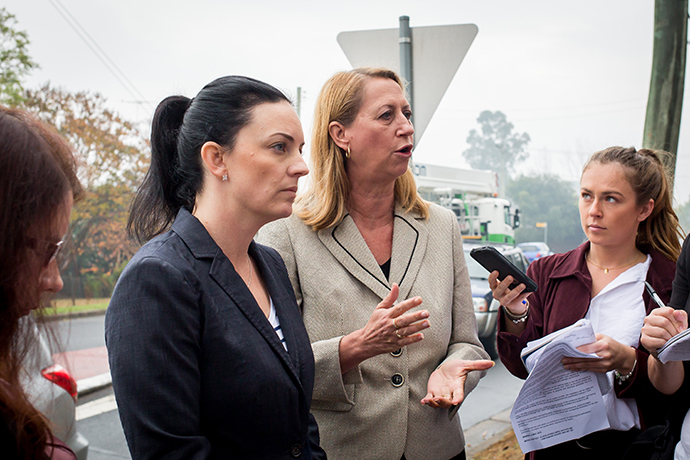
{"points": [[618, 311]]}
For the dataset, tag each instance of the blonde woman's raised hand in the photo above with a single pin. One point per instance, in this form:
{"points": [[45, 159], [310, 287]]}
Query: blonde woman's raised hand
{"points": [[446, 386], [391, 326]]}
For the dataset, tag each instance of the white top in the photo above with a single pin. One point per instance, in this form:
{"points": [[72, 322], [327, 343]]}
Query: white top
{"points": [[275, 322], [683, 447], [618, 311]]}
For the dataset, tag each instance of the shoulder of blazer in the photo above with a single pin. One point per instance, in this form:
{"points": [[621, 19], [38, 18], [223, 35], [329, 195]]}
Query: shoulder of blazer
{"points": [[181, 247], [270, 254], [194, 235]]}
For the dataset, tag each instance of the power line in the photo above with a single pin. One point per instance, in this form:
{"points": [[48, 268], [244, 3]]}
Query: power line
{"points": [[567, 107], [597, 104], [628, 109], [100, 53]]}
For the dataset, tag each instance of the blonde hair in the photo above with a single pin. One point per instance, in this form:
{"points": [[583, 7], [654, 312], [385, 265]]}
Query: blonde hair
{"points": [[323, 204], [648, 177]]}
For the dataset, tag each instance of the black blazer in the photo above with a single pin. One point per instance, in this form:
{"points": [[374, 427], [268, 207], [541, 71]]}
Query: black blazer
{"points": [[680, 297], [680, 300], [198, 371]]}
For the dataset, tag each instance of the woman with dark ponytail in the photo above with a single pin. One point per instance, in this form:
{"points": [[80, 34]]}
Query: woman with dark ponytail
{"points": [[208, 353], [633, 237]]}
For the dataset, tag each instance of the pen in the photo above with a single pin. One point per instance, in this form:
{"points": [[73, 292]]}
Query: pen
{"points": [[658, 301], [654, 295]]}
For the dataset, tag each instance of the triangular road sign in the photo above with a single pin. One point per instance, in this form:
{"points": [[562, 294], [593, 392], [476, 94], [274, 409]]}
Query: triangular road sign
{"points": [[437, 52]]}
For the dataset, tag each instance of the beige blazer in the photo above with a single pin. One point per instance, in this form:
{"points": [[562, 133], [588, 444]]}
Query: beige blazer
{"points": [[374, 410]]}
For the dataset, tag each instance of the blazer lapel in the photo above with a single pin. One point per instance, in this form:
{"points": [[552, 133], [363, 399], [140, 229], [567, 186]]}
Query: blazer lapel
{"points": [[281, 296], [227, 278], [346, 244], [410, 238], [202, 246]]}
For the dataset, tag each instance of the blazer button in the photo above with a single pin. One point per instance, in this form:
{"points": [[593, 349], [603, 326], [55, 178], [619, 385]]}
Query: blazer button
{"points": [[397, 380], [396, 353], [296, 450]]}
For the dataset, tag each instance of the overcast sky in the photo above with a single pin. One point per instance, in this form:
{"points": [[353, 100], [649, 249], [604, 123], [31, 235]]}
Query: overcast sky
{"points": [[573, 75]]}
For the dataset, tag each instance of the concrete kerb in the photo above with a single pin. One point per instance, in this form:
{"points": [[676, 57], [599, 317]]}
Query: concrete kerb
{"points": [[95, 383], [68, 316], [486, 433]]}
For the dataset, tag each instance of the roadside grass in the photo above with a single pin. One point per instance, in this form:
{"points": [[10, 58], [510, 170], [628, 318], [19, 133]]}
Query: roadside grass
{"points": [[64, 306], [505, 449]]}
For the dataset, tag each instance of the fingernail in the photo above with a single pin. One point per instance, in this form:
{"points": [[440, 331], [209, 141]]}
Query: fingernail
{"points": [[425, 323], [425, 314]]}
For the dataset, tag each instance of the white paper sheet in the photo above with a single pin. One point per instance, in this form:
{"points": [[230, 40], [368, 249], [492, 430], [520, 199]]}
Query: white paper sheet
{"points": [[556, 405]]}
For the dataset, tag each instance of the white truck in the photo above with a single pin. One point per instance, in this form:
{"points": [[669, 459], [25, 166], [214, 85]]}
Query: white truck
{"points": [[484, 219], [472, 196]]}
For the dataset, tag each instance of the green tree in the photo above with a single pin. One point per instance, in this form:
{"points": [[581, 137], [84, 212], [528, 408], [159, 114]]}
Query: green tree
{"points": [[496, 143], [15, 63], [547, 198], [113, 157]]}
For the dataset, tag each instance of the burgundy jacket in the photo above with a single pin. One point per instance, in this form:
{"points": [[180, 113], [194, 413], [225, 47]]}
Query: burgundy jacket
{"points": [[563, 297]]}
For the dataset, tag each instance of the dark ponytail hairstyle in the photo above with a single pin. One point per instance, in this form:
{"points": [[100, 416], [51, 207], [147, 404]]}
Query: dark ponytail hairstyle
{"points": [[648, 177], [181, 126], [37, 173]]}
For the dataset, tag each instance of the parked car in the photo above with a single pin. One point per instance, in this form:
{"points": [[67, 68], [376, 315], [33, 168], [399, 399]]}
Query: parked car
{"points": [[53, 391], [535, 250], [485, 306]]}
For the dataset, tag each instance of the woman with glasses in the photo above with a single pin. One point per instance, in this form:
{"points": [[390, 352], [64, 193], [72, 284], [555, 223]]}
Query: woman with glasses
{"points": [[38, 185]]}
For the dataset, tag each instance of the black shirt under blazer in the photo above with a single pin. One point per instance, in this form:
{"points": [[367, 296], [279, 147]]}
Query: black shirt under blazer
{"points": [[198, 371]]}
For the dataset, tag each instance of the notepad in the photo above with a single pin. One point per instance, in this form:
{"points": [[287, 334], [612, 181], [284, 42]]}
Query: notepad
{"points": [[676, 349]]}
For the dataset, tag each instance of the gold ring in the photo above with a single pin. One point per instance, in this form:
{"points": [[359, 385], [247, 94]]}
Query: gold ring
{"points": [[398, 334], [395, 324]]}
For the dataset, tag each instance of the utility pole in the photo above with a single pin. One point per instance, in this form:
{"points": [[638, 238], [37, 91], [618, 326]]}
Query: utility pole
{"points": [[665, 103], [502, 173], [405, 41], [298, 103]]}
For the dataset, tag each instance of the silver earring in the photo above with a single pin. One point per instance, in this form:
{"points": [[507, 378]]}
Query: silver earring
{"points": [[225, 177], [347, 154]]}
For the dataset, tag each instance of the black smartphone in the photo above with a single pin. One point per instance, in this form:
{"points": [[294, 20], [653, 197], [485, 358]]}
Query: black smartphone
{"points": [[491, 259]]}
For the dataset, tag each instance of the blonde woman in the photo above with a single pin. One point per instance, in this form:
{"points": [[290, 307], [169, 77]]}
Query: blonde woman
{"points": [[381, 280]]}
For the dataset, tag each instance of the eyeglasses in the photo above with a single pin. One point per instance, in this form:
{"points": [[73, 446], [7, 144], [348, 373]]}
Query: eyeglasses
{"points": [[54, 250], [50, 249]]}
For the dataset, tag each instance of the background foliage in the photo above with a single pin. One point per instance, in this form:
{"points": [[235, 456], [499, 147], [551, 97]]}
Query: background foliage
{"points": [[15, 62], [495, 139], [547, 198], [112, 157]]}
